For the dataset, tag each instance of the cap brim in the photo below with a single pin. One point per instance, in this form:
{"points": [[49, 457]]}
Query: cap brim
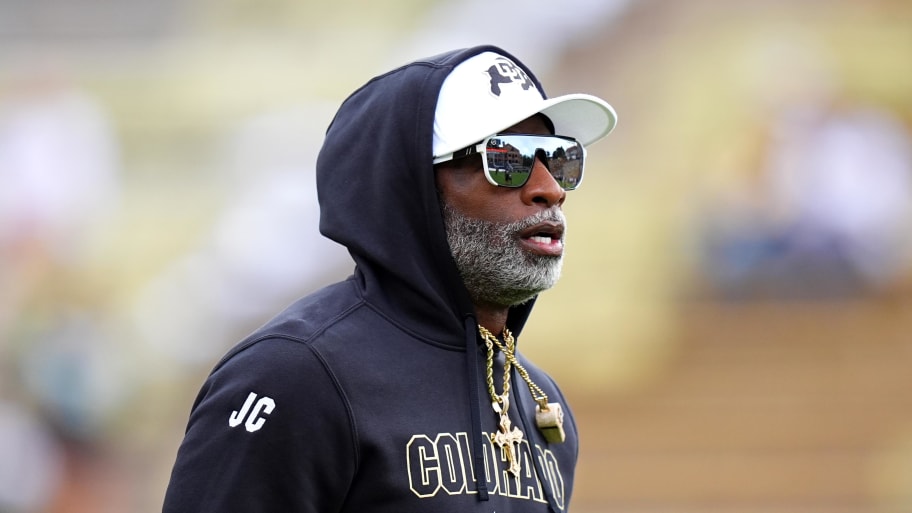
{"points": [[584, 117]]}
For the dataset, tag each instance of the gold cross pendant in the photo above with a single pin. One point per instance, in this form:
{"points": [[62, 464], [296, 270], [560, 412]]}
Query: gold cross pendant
{"points": [[507, 439]]}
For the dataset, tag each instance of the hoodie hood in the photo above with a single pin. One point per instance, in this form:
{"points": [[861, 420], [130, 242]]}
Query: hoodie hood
{"points": [[378, 198]]}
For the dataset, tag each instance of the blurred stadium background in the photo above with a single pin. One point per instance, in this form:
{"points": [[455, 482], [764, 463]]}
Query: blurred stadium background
{"points": [[734, 328]]}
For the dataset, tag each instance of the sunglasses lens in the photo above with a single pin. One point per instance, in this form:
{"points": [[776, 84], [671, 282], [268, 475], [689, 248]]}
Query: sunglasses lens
{"points": [[510, 158]]}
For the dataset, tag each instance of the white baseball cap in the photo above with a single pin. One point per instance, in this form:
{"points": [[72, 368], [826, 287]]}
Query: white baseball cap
{"points": [[488, 93]]}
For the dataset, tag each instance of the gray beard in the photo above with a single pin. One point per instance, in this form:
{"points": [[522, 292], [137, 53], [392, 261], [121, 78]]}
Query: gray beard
{"points": [[493, 266]]}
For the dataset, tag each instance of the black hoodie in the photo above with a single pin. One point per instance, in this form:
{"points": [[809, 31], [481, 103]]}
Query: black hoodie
{"points": [[369, 395]]}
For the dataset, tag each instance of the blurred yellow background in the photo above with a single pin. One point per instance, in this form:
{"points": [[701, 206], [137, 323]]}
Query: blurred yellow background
{"points": [[734, 325]]}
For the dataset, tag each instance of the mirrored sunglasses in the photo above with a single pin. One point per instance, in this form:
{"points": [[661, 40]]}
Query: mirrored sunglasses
{"points": [[508, 158]]}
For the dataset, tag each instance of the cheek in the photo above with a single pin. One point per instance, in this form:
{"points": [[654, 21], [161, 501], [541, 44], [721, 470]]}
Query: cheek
{"points": [[465, 193], [470, 193], [486, 207]]}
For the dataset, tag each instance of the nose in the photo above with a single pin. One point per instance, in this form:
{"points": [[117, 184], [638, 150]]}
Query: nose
{"points": [[542, 188]]}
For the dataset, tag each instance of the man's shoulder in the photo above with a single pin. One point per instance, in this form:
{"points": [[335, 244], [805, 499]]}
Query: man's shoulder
{"points": [[281, 354], [310, 315], [303, 321]]}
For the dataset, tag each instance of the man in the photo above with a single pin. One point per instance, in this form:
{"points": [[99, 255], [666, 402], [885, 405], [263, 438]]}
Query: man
{"points": [[401, 389]]}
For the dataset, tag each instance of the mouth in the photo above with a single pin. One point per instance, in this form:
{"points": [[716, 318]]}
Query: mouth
{"points": [[546, 238]]}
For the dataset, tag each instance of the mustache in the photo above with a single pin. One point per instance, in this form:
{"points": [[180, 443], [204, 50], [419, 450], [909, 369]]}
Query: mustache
{"points": [[551, 215]]}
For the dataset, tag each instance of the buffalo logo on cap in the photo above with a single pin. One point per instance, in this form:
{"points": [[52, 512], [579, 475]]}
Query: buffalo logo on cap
{"points": [[504, 71]]}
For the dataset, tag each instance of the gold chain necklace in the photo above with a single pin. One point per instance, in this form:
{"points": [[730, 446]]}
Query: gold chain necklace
{"points": [[508, 439], [548, 416]]}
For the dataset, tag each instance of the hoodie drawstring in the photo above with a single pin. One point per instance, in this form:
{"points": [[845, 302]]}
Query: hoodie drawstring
{"points": [[552, 500], [472, 362]]}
